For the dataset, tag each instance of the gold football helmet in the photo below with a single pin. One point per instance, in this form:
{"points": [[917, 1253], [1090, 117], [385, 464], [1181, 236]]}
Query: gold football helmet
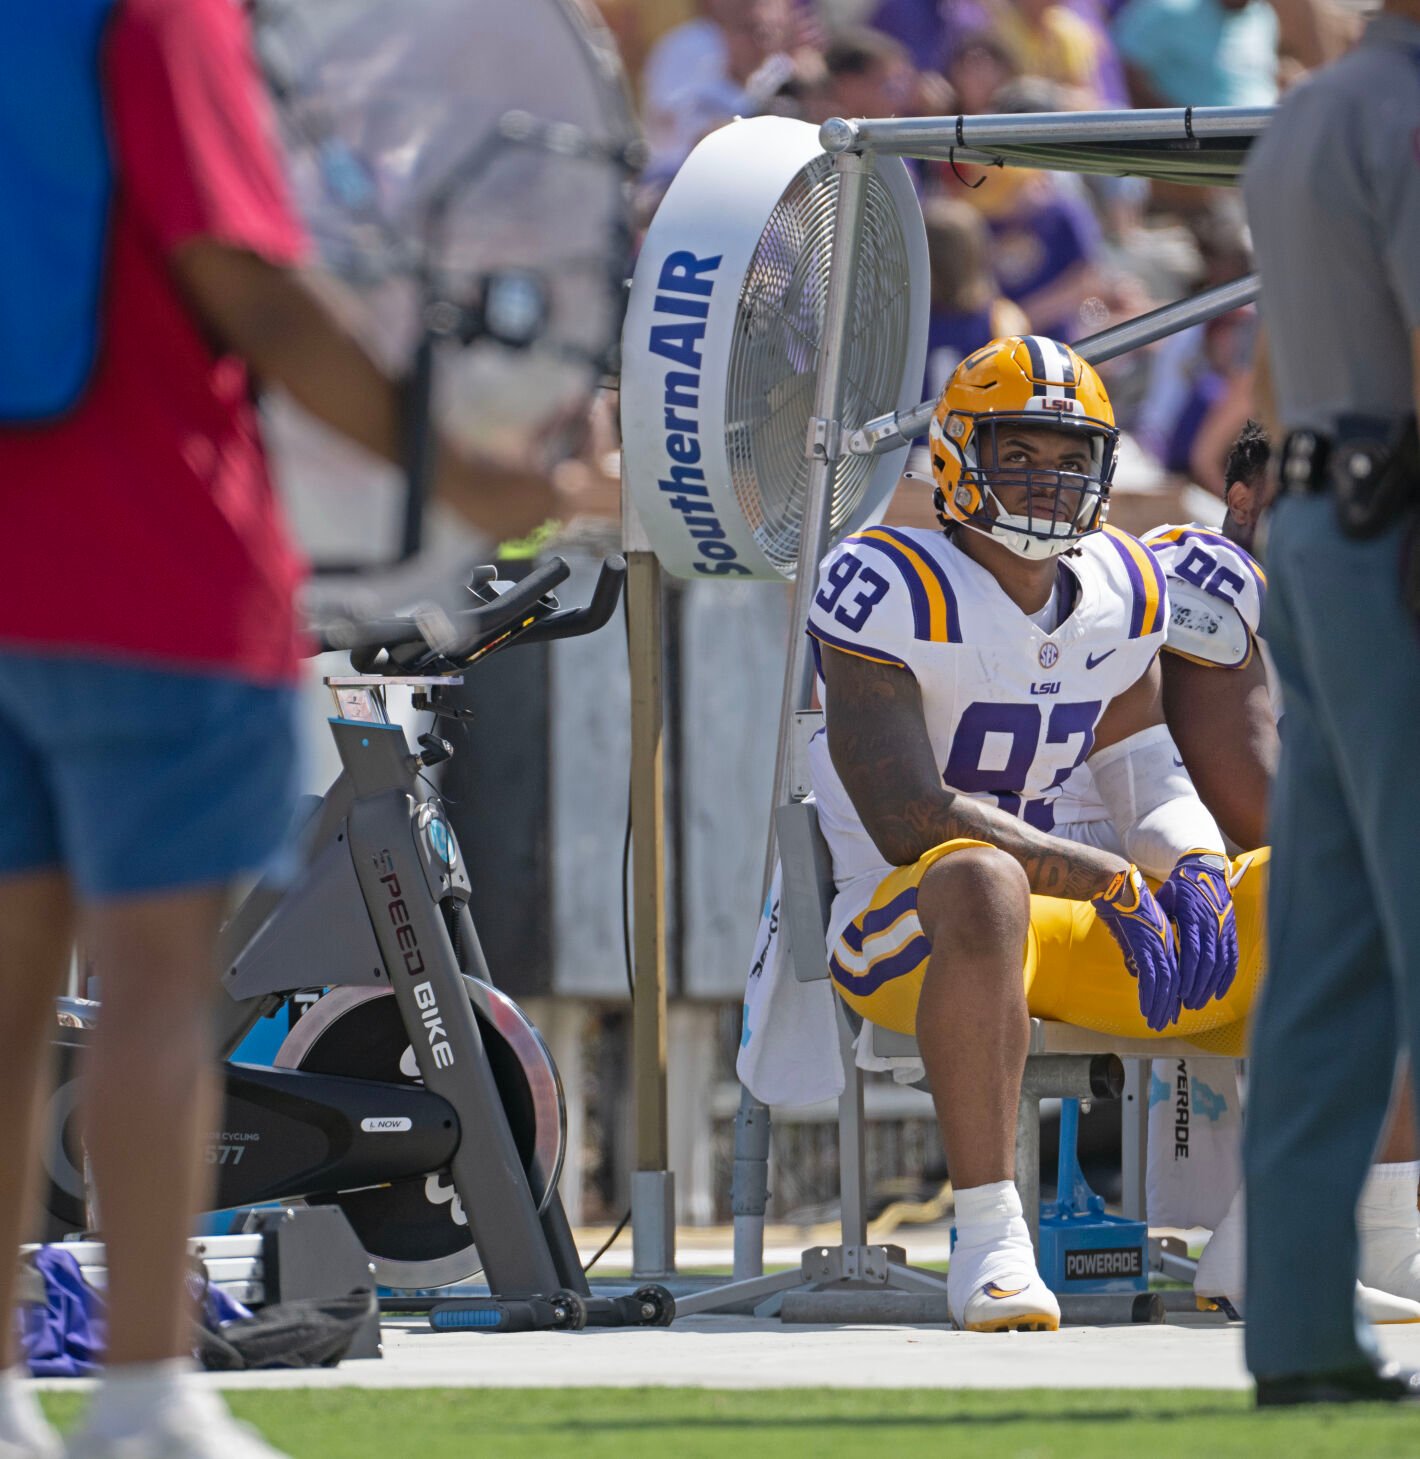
{"points": [[1022, 381]]}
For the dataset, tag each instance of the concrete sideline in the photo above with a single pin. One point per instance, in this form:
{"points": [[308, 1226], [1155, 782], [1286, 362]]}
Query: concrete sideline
{"points": [[736, 1352]]}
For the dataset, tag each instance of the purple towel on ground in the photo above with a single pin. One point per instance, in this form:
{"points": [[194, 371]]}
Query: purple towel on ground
{"points": [[63, 1337]]}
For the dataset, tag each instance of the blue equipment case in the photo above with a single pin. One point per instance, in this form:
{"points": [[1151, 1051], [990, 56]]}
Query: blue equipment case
{"points": [[1082, 1247]]}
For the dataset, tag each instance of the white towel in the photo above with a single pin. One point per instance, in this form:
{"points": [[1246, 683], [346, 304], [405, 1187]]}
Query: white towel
{"points": [[789, 1040], [904, 1068], [1195, 1141]]}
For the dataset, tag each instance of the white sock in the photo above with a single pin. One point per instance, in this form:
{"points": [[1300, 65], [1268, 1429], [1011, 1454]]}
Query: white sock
{"points": [[1388, 1198], [990, 1215], [22, 1421], [1406, 1170], [1388, 1225], [993, 1243], [992, 1235], [136, 1397]]}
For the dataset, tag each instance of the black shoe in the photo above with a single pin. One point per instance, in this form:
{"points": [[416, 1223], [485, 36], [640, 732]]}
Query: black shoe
{"points": [[1388, 1383]]}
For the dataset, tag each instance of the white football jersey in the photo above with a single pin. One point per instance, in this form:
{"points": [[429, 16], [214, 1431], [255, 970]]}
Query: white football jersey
{"points": [[1216, 593], [1011, 710]]}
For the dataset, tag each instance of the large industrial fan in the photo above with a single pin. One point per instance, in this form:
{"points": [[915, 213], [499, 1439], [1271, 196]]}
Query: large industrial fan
{"points": [[722, 344], [463, 169], [734, 423]]}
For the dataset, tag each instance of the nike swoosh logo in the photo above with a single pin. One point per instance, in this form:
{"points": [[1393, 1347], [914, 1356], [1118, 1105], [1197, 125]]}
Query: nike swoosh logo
{"points": [[1091, 662], [992, 1290], [1178, 762]]}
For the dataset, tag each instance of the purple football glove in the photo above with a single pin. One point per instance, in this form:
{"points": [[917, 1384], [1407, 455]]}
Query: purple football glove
{"points": [[1197, 900], [1127, 907]]}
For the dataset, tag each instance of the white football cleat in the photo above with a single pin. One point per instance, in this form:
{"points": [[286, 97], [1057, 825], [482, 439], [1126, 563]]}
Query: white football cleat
{"points": [[1385, 1308], [1001, 1307], [1388, 1227], [1220, 1282], [999, 1290]]}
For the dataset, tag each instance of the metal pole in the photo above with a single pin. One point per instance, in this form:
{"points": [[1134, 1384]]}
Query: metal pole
{"points": [[1028, 1160], [1134, 1143], [419, 446], [925, 136], [652, 1183], [1169, 319], [749, 1186], [823, 448], [852, 1144], [884, 432]]}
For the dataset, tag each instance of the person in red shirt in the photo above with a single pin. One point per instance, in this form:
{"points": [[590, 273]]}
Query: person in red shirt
{"points": [[148, 657]]}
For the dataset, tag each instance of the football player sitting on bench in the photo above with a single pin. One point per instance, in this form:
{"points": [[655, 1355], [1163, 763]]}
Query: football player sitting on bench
{"points": [[995, 781]]}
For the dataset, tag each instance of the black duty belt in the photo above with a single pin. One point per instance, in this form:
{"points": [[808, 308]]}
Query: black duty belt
{"points": [[1370, 466], [1312, 463], [1302, 467]]}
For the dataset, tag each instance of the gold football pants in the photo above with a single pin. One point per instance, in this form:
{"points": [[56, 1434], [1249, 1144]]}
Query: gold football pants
{"points": [[1074, 971]]}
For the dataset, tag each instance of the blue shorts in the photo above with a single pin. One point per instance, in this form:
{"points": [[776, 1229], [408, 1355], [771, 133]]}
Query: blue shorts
{"points": [[136, 780]]}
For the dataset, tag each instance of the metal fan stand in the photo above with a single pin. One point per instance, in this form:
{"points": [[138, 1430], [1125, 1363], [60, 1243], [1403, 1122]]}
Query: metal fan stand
{"points": [[855, 1265], [854, 1261]]}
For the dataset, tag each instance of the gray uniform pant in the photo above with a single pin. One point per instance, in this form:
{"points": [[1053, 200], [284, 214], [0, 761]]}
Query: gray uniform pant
{"points": [[1343, 991]]}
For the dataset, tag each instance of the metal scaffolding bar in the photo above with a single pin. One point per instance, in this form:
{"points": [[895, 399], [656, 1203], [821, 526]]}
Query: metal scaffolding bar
{"points": [[936, 136], [884, 432], [1169, 319]]}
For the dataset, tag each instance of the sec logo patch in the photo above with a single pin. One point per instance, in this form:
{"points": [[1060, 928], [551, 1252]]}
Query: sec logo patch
{"points": [[1049, 656]]}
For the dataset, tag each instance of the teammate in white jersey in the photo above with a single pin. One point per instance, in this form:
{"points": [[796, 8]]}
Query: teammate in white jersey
{"points": [[1225, 724], [967, 675], [1220, 709]]}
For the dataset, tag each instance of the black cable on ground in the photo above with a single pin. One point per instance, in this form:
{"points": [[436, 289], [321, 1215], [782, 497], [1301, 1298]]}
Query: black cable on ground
{"points": [[607, 1244]]}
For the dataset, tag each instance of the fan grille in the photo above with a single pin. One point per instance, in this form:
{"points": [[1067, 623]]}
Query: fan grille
{"points": [[775, 351]]}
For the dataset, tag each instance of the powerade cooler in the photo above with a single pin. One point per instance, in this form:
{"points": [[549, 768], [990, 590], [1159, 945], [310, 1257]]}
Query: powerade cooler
{"points": [[1082, 1247]]}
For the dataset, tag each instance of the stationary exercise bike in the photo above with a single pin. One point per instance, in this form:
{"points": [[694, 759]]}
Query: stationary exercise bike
{"points": [[412, 1094]]}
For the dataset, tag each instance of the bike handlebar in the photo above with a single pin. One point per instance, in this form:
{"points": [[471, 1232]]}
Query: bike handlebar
{"points": [[449, 633], [450, 637], [574, 622]]}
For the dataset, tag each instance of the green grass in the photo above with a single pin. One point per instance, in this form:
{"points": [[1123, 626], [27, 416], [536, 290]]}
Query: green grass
{"points": [[680, 1423]]}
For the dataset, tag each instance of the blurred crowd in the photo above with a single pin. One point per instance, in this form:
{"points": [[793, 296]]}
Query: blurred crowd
{"points": [[1014, 250]]}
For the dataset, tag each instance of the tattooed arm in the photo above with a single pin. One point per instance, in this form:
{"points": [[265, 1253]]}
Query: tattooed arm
{"points": [[877, 739]]}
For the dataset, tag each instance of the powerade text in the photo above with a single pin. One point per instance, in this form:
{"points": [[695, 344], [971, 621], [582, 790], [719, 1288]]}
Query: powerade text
{"points": [[683, 296]]}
